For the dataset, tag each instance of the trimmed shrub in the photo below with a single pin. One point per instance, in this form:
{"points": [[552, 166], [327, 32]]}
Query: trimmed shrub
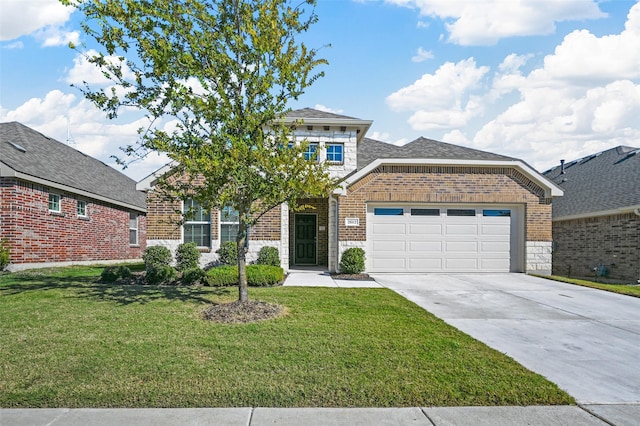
{"points": [[155, 257], [257, 276], [352, 261], [228, 252], [264, 275], [268, 256], [222, 276], [194, 276], [4, 254], [187, 256], [163, 274], [112, 274]]}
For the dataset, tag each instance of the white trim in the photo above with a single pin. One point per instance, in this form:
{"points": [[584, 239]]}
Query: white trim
{"points": [[551, 189], [59, 202], [362, 125], [9, 172], [619, 210], [148, 182]]}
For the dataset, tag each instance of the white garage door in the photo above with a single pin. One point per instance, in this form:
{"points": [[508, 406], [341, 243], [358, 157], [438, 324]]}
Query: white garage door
{"points": [[439, 239]]}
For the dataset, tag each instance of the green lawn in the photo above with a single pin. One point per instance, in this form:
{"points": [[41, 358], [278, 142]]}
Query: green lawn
{"points": [[68, 341], [629, 290]]}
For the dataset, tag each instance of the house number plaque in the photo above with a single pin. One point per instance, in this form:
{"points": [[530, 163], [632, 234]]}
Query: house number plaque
{"points": [[351, 221]]}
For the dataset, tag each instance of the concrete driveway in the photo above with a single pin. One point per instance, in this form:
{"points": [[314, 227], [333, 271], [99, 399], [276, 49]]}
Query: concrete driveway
{"points": [[586, 341]]}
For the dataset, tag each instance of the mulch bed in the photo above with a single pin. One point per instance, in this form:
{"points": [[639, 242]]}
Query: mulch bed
{"points": [[242, 312], [354, 277]]}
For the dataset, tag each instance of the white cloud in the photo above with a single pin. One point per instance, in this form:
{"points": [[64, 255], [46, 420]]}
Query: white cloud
{"points": [[324, 108], [85, 71], [486, 22], [573, 105], [422, 55], [89, 130], [444, 99], [14, 45], [582, 98], [23, 17], [55, 36]]}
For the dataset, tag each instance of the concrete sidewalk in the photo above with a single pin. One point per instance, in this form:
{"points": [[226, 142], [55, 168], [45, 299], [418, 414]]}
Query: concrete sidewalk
{"points": [[319, 277], [430, 416]]}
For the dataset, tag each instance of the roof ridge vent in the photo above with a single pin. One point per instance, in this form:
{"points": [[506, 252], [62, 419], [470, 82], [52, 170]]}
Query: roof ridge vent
{"points": [[629, 155], [17, 146]]}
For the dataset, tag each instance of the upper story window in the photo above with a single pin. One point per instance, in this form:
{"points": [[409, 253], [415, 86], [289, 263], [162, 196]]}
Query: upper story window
{"points": [[310, 153], [54, 203], [133, 229], [335, 153], [229, 224], [82, 208], [197, 223]]}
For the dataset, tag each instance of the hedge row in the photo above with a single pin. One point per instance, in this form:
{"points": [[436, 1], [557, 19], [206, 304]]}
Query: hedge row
{"points": [[257, 275]]}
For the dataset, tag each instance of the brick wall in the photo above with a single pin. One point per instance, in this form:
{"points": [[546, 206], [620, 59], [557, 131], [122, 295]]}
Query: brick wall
{"points": [[37, 235], [445, 184], [612, 241]]}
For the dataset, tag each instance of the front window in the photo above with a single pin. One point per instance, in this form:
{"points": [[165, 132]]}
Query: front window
{"points": [[82, 208], [335, 153], [133, 229], [310, 153], [54, 203], [229, 224], [197, 224]]}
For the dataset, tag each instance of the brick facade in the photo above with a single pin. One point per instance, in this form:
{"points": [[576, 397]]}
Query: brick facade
{"points": [[37, 235], [611, 241]]}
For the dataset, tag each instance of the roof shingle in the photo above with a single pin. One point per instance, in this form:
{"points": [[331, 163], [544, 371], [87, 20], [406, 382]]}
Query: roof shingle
{"points": [[600, 182], [30, 152], [370, 150]]}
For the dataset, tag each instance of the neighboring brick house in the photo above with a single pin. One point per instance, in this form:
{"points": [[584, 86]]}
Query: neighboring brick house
{"points": [[59, 206], [427, 206], [596, 225]]}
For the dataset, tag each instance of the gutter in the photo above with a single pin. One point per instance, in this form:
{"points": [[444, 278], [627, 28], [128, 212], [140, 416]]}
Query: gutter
{"points": [[9, 172], [620, 210]]}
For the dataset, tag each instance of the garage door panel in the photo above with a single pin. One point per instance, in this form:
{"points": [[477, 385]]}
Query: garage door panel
{"points": [[425, 229], [461, 229], [494, 265], [389, 228], [385, 246], [461, 246], [495, 229], [419, 264], [389, 264], [425, 246], [457, 264], [495, 246], [444, 242]]}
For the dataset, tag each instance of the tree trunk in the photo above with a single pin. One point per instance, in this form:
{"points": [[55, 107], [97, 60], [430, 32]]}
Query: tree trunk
{"points": [[243, 293]]}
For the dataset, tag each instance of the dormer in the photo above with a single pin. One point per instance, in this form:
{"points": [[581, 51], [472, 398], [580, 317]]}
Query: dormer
{"points": [[334, 138]]}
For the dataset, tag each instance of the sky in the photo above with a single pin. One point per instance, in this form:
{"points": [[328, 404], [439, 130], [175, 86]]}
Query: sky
{"points": [[539, 80]]}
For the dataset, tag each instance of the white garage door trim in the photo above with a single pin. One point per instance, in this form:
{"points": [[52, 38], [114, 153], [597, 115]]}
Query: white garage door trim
{"points": [[444, 238]]}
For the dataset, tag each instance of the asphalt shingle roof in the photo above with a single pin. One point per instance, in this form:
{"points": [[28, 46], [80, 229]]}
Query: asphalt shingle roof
{"points": [[314, 113], [32, 153], [604, 181], [370, 150]]}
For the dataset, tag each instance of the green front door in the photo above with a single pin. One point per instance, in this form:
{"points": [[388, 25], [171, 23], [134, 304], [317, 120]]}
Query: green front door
{"points": [[305, 239]]}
